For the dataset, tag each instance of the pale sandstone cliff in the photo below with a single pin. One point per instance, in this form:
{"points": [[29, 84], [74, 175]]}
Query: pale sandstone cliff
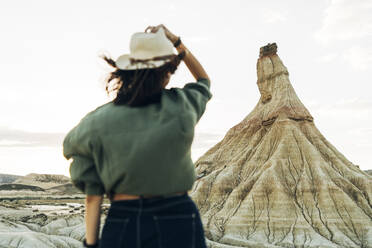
{"points": [[275, 181]]}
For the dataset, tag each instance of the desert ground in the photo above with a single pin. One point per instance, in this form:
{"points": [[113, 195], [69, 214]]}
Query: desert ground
{"points": [[42, 214]]}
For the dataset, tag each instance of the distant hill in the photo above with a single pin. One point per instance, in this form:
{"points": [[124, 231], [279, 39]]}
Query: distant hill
{"points": [[48, 183], [44, 181], [369, 172], [8, 178], [15, 186], [67, 188]]}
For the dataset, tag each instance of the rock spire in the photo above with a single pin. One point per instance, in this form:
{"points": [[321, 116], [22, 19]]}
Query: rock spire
{"points": [[275, 181]]}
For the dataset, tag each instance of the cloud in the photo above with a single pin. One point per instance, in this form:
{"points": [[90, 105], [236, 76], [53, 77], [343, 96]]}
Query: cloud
{"points": [[327, 58], [347, 33], [359, 57], [18, 138], [353, 104], [273, 16], [344, 116], [198, 39], [346, 103], [362, 132], [346, 20], [346, 124]]}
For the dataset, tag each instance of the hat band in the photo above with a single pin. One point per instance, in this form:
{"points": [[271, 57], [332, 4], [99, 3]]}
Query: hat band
{"points": [[166, 57]]}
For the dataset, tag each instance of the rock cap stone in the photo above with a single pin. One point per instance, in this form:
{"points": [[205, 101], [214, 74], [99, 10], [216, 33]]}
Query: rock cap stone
{"points": [[269, 49]]}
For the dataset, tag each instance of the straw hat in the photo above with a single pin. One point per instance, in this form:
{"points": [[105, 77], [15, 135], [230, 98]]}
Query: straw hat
{"points": [[147, 50]]}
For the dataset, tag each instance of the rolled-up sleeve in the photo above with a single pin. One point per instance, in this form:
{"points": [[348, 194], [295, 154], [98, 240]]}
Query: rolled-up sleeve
{"points": [[198, 94], [77, 145]]}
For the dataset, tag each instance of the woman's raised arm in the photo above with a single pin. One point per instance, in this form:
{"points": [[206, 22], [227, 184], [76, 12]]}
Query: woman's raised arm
{"points": [[191, 62]]}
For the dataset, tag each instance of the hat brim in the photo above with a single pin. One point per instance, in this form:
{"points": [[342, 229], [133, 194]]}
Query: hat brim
{"points": [[124, 63]]}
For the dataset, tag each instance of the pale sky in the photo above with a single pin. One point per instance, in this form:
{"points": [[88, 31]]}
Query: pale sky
{"points": [[51, 75]]}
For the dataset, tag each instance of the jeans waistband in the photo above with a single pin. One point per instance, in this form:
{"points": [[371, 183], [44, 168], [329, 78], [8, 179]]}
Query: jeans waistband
{"points": [[150, 203]]}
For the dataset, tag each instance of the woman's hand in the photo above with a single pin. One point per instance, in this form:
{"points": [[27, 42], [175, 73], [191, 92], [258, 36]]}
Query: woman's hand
{"points": [[153, 29], [191, 62]]}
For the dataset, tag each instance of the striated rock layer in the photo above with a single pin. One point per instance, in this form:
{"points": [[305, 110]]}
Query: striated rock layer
{"points": [[275, 181]]}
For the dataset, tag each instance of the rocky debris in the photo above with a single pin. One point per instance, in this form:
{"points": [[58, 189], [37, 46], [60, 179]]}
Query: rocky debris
{"points": [[39, 219], [23, 228], [275, 181], [34, 232]]}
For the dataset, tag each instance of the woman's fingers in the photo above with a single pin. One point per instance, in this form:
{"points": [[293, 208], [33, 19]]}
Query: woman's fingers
{"points": [[149, 28], [154, 29]]}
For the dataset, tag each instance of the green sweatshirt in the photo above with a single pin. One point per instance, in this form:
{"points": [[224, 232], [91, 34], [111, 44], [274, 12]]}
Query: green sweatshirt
{"points": [[138, 150]]}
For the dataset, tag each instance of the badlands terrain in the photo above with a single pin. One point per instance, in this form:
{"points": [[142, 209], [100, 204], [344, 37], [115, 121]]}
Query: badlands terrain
{"points": [[273, 181], [41, 210], [36, 217]]}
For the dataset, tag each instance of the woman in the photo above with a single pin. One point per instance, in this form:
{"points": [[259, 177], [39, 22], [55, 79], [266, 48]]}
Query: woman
{"points": [[136, 149]]}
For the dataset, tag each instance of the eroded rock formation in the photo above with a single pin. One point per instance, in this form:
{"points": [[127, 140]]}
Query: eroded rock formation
{"points": [[43, 226], [26, 229], [275, 181]]}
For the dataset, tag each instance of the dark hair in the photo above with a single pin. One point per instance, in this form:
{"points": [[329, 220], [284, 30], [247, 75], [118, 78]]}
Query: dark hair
{"points": [[139, 87]]}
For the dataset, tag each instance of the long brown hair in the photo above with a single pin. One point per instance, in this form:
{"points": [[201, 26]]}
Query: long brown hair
{"points": [[139, 87]]}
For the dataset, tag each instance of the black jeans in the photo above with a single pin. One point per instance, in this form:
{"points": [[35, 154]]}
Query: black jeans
{"points": [[171, 222]]}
